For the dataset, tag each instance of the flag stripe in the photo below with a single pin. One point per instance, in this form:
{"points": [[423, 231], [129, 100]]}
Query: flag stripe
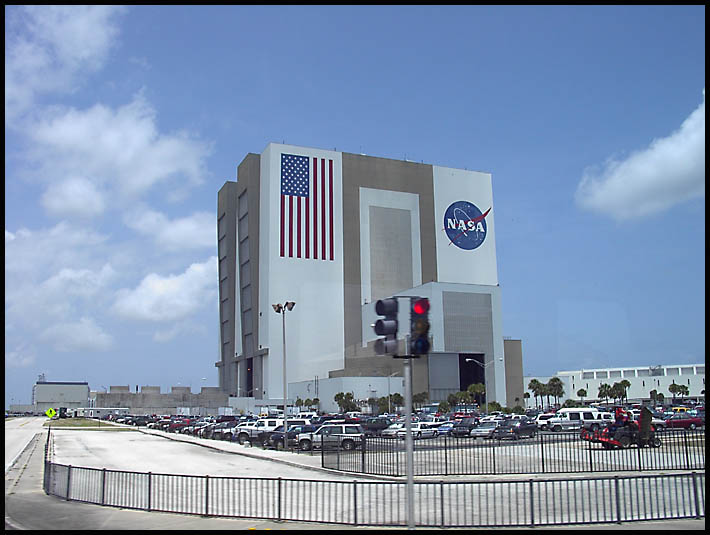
{"points": [[308, 252], [298, 229], [283, 222], [330, 203], [315, 207], [322, 207]]}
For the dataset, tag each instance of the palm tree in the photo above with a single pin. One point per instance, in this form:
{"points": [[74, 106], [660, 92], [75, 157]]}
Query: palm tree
{"points": [[673, 389], [476, 390], [582, 393], [625, 385], [604, 391], [534, 386], [526, 397], [557, 388], [617, 392]]}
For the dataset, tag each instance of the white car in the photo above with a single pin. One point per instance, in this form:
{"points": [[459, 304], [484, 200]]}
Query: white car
{"points": [[542, 419], [419, 430], [391, 431]]}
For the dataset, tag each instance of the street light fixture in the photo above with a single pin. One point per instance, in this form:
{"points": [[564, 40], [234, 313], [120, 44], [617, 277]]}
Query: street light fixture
{"points": [[281, 309]]}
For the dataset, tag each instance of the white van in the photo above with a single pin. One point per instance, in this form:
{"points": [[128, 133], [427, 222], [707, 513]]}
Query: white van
{"points": [[574, 418]]}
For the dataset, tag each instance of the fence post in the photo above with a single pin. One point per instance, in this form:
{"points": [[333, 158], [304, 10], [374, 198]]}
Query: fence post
{"points": [[687, 454], [532, 505], [278, 501], [355, 503], [441, 495], [207, 495], [618, 499], [68, 482], [446, 457], [591, 462], [695, 495], [150, 485], [103, 486], [542, 451], [364, 442]]}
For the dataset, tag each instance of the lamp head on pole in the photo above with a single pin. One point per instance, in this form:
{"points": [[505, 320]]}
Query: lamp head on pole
{"points": [[278, 307], [290, 305]]}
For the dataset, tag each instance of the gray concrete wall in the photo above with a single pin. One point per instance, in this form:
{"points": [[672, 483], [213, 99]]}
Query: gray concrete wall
{"points": [[513, 350], [394, 175]]}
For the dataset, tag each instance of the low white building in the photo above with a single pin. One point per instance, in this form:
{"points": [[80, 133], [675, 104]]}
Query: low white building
{"points": [[643, 380]]}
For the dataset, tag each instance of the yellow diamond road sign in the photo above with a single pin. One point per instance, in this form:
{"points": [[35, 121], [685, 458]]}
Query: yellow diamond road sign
{"points": [[50, 412]]}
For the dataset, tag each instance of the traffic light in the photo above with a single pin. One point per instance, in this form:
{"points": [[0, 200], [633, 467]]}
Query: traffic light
{"points": [[386, 326], [419, 321]]}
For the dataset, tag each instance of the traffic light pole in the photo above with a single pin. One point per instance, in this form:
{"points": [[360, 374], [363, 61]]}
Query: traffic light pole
{"points": [[409, 440]]}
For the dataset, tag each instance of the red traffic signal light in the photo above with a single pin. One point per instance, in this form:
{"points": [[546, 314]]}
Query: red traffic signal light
{"points": [[421, 306], [419, 324]]}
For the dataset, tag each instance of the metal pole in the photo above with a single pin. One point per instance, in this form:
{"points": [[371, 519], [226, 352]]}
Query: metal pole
{"points": [[283, 314], [409, 441]]}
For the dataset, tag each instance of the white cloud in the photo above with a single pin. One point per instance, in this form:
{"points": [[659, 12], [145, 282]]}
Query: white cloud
{"points": [[84, 335], [73, 197], [192, 232], [49, 48], [116, 151], [30, 253], [21, 357], [670, 171], [78, 282], [170, 298]]}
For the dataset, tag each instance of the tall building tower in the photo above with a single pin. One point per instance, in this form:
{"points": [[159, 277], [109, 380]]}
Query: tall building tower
{"points": [[334, 232]]}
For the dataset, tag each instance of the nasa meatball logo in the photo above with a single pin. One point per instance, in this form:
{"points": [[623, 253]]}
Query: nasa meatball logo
{"points": [[465, 225]]}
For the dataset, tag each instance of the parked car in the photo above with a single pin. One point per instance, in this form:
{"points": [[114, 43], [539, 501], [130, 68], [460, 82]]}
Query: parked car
{"points": [[375, 426], [253, 432], [391, 431], [572, 419], [345, 436], [419, 430], [515, 429], [542, 419], [275, 439], [223, 430], [683, 420], [445, 428], [484, 430], [463, 427]]}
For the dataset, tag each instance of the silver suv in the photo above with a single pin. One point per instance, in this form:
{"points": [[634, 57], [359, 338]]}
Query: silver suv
{"points": [[345, 436]]}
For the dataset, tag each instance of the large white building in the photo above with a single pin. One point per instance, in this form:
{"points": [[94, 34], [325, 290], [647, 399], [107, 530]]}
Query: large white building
{"points": [[643, 380], [334, 232]]}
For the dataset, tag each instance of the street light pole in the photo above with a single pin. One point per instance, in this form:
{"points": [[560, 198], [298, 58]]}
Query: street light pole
{"points": [[389, 392], [485, 378], [281, 309]]}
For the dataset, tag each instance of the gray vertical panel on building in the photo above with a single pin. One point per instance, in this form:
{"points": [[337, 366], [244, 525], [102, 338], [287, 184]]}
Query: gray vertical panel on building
{"points": [[443, 373], [390, 251], [468, 322]]}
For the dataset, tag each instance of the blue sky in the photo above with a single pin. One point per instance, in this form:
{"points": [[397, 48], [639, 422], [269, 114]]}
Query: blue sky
{"points": [[122, 123]]}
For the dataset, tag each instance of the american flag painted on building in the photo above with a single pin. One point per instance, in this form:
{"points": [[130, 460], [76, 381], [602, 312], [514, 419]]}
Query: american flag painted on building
{"points": [[306, 222]]}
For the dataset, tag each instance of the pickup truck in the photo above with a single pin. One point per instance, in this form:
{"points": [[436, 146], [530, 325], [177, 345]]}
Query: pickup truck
{"points": [[255, 431]]}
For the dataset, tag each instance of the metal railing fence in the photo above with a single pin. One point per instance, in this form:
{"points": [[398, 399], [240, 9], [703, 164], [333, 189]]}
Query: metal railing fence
{"points": [[563, 452], [524, 502]]}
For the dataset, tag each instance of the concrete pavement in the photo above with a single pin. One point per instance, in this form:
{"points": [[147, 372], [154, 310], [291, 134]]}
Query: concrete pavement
{"points": [[28, 507]]}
